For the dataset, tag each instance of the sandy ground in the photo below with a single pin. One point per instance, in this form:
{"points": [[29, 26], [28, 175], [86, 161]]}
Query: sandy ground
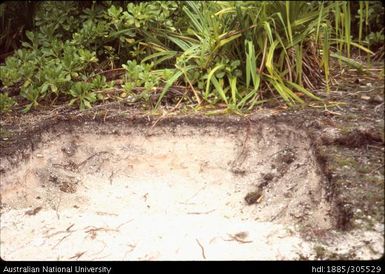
{"points": [[174, 194], [121, 234]]}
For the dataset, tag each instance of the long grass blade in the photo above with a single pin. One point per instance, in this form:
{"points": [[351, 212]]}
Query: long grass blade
{"points": [[287, 5], [168, 85], [164, 55], [325, 57], [361, 22], [209, 78], [350, 62], [219, 88], [233, 88], [361, 47], [303, 90]]}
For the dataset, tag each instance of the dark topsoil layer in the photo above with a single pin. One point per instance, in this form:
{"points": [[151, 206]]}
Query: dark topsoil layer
{"points": [[348, 140]]}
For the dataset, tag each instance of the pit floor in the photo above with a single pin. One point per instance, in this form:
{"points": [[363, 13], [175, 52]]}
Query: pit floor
{"points": [[174, 196]]}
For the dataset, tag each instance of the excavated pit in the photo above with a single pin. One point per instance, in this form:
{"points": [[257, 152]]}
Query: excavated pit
{"points": [[174, 191]]}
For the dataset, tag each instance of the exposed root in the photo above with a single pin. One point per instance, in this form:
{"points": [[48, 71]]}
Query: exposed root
{"points": [[92, 156], [243, 152], [198, 213], [33, 211], [239, 237], [66, 236], [92, 231], [202, 248], [77, 255]]}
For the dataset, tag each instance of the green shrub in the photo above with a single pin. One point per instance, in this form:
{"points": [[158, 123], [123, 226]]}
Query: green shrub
{"points": [[6, 102]]}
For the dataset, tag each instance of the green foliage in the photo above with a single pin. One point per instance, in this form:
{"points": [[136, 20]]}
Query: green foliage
{"points": [[6, 102], [375, 38], [143, 76], [369, 17], [87, 93], [139, 75], [57, 19], [43, 72], [235, 52], [83, 94]]}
